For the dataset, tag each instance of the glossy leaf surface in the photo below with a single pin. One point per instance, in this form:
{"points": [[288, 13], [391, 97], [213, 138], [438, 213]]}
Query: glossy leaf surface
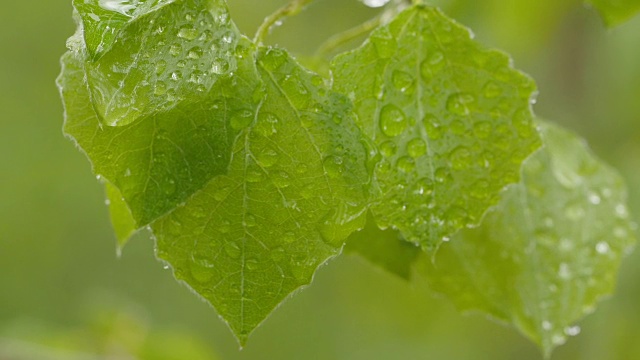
{"points": [[549, 251], [451, 119]]}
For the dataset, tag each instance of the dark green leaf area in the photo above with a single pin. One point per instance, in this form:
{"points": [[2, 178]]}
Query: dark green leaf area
{"points": [[146, 57], [452, 122], [549, 251], [295, 190], [384, 248], [161, 160]]}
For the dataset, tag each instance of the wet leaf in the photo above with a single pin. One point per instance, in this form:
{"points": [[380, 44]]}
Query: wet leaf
{"points": [[549, 251], [452, 121], [288, 184]]}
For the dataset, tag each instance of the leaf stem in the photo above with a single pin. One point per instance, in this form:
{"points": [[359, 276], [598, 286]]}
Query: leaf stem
{"points": [[342, 38], [338, 40], [290, 9]]}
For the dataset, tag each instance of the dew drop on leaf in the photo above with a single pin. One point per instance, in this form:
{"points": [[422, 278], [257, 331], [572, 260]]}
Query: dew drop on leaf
{"points": [[188, 33], [388, 148], [460, 158], [392, 121], [406, 164], [402, 81], [232, 249], [492, 90], [416, 148], [459, 103], [333, 165], [241, 119]]}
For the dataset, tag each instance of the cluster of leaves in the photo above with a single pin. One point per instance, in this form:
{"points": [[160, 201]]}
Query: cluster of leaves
{"points": [[251, 171]]}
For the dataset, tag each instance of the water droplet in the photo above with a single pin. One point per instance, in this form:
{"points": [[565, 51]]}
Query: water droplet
{"points": [[423, 187], [202, 260], [195, 53], [266, 158], [459, 103], [169, 187], [594, 198], [251, 264], [288, 237], [435, 58], [333, 165], [403, 81], [161, 65], [406, 164], [233, 250], [430, 122], [392, 120], [388, 148], [492, 90], [228, 37], [302, 168], [441, 175], [602, 247], [281, 179], [482, 130], [384, 42], [160, 88], [460, 158], [254, 175], [188, 33], [522, 120], [241, 119], [249, 220], [175, 50], [171, 95], [572, 330], [416, 148], [546, 325], [220, 66], [375, 3]]}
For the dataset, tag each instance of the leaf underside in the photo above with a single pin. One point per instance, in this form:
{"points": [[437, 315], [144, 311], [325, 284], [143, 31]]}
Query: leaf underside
{"points": [[384, 248], [549, 251], [452, 122]]}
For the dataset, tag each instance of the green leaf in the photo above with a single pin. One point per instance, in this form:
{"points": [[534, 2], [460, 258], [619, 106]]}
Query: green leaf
{"points": [[146, 57], [451, 119], [157, 162], [549, 251], [384, 248], [615, 12], [121, 219], [294, 191], [247, 191]]}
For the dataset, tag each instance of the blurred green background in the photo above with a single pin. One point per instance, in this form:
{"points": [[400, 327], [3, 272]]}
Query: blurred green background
{"points": [[65, 295]]}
